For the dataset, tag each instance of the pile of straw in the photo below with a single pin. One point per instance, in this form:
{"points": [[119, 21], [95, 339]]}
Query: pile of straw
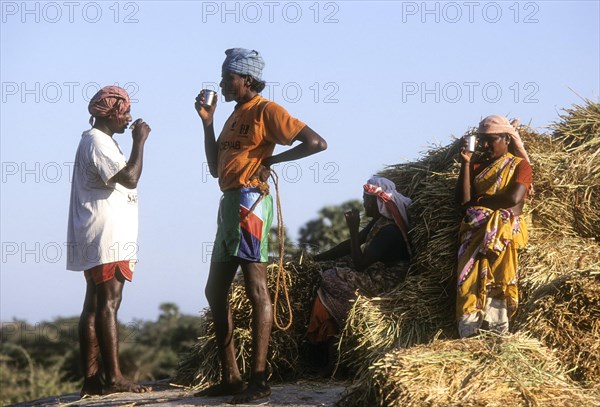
{"points": [[565, 210], [567, 173], [485, 371], [579, 127], [565, 315], [422, 308]]}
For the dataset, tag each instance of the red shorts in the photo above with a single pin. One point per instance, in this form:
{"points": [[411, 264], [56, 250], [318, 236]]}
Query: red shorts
{"points": [[105, 272]]}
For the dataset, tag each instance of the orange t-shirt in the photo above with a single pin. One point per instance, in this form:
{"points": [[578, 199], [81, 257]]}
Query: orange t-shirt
{"points": [[250, 135]]}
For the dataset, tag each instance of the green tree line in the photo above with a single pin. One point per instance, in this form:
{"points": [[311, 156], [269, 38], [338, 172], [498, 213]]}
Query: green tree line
{"points": [[43, 359]]}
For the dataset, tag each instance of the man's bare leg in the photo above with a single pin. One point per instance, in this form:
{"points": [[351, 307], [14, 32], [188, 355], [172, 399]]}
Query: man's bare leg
{"points": [[88, 343], [109, 296], [257, 290], [219, 282]]}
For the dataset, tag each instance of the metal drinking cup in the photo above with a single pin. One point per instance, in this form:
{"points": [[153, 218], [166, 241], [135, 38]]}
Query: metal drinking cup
{"points": [[209, 97], [471, 143]]}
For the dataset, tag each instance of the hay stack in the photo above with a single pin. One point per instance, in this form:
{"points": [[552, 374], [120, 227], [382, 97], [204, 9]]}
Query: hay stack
{"points": [[485, 371], [561, 238], [579, 130], [565, 315], [579, 127], [423, 306]]}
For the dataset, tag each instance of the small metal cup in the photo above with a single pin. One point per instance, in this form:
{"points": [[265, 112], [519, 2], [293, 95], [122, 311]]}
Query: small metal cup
{"points": [[471, 143], [209, 96]]}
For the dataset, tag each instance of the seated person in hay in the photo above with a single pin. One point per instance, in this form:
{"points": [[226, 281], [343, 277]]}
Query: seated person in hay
{"points": [[384, 241]]}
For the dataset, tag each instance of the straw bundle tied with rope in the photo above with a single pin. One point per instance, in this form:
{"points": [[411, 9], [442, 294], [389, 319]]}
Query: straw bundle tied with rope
{"points": [[486, 371], [564, 224]]}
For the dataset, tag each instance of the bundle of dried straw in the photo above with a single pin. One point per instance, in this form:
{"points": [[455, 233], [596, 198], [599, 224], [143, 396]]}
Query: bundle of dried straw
{"points": [[565, 315], [484, 371]]}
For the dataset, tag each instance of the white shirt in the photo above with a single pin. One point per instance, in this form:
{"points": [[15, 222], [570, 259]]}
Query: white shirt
{"points": [[103, 217]]}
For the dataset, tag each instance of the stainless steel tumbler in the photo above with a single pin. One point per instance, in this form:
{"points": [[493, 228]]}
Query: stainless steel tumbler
{"points": [[471, 143], [209, 96]]}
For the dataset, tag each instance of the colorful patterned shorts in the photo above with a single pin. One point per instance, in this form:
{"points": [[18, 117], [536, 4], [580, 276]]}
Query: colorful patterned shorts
{"points": [[243, 239]]}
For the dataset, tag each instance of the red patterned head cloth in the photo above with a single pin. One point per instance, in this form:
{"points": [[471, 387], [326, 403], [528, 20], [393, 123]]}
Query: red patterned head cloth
{"points": [[391, 203], [108, 100]]}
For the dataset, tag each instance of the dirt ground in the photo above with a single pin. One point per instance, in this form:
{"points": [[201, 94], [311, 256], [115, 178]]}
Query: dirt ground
{"points": [[297, 394]]}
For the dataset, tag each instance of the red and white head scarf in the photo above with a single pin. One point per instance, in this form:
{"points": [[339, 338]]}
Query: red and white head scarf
{"points": [[391, 203], [107, 101]]}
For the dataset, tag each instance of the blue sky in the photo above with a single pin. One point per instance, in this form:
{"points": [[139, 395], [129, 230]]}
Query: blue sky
{"points": [[379, 80]]}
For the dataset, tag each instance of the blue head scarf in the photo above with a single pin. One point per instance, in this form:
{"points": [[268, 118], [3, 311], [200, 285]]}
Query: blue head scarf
{"points": [[244, 62]]}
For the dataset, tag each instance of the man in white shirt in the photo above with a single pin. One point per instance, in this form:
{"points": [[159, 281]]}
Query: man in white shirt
{"points": [[102, 233]]}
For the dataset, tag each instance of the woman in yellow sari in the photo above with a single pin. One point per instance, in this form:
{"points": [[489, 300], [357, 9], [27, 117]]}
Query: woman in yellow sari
{"points": [[493, 191]]}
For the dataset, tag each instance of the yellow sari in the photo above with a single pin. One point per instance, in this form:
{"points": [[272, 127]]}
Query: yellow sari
{"points": [[489, 240]]}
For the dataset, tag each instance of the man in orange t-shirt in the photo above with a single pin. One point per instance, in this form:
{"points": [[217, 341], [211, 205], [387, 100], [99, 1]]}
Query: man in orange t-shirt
{"points": [[240, 158]]}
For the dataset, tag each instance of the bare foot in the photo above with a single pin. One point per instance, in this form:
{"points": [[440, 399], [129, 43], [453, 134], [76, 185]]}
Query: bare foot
{"points": [[253, 392], [92, 386], [125, 386], [222, 389]]}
